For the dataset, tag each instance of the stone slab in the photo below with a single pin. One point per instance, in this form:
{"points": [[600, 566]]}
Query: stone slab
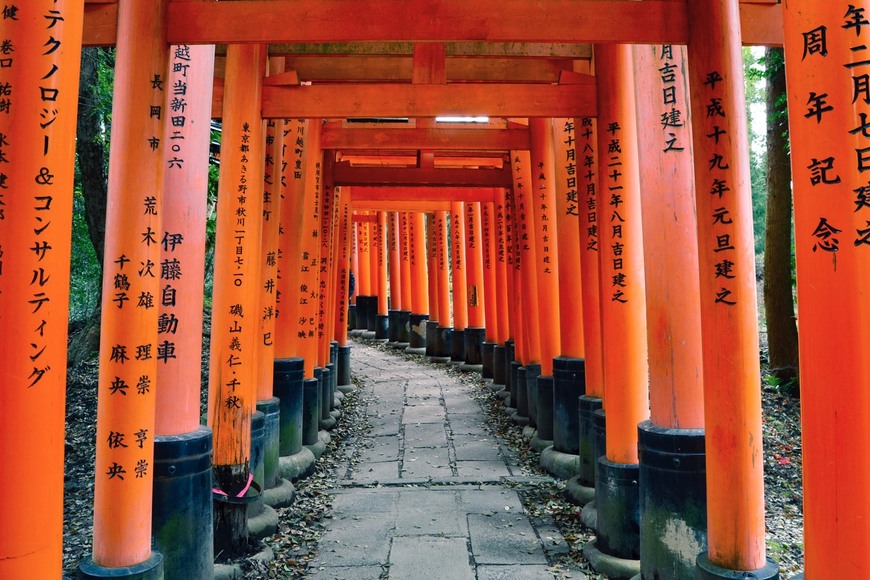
{"points": [[483, 470], [504, 538], [425, 435], [430, 558]]}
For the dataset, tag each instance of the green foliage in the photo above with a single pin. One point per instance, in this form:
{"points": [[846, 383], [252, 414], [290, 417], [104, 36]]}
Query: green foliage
{"points": [[755, 81], [84, 268], [211, 219]]}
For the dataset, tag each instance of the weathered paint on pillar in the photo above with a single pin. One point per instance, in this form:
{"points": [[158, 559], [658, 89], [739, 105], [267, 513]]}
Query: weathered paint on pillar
{"points": [[568, 208], [37, 148], [354, 258], [828, 98], [474, 266], [235, 305], [382, 262], [182, 239], [623, 304], [488, 235], [343, 239], [524, 199], [670, 238], [546, 240], [307, 294], [405, 264], [458, 256], [732, 393], [442, 250], [590, 255], [289, 234], [395, 262], [502, 266], [133, 286], [324, 245], [513, 274], [432, 264]]}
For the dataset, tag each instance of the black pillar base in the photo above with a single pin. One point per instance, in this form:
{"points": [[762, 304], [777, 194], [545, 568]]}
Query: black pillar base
{"points": [[333, 361], [392, 327], [706, 570], [545, 409], [508, 359], [181, 517], [499, 368], [382, 327], [403, 339], [443, 344], [522, 405], [487, 356], [533, 371], [473, 361], [431, 337], [417, 338], [586, 445], [514, 380], [287, 386], [457, 347], [343, 366], [271, 409], [569, 384], [617, 499], [150, 569], [327, 421], [310, 411], [673, 500], [362, 313], [351, 316], [372, 315], [258, 446]]}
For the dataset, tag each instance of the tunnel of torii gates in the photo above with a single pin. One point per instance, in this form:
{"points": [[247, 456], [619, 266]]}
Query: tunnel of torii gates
{"points": [[589, 248]]}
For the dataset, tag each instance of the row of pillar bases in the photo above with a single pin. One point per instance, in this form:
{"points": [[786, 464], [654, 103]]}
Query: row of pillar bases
{"points": [[287, 437]]}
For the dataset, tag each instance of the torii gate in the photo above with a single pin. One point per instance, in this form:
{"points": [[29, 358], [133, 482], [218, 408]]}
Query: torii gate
{"points": [[38, 72]]}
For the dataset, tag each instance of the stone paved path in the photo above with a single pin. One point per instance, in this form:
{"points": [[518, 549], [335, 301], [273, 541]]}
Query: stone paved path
{"points": [[430, 497]]}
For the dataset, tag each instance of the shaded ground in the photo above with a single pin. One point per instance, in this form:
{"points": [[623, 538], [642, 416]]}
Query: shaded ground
{"points": [[301, 525]]}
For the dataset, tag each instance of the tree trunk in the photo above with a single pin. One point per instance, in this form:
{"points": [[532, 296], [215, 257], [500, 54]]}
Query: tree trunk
{"points": [[778, 294], [91, 156]]}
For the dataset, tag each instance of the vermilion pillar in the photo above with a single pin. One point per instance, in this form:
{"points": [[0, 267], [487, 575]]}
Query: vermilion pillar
{"points": [[37, 148], [432, 281], [623, 304], [582, 487], [444, 332], [232, 391], [503, 275], [476, 298], [404, 317], [460, 288], [395, 259], [569, 369], [363, 274], [382, 318], [825, 47], [487, 229], [374, 252], [182, 497], [732, 394], [419, 283], [133, 286], [345, 232], [673, 320], [529, 339]]}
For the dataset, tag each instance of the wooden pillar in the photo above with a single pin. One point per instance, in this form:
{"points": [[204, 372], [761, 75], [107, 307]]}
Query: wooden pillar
{"points": [[825, 48], [364, 278], [568, 208], [236, 291], [458, 256], [546, 239], [523, 199], [503, 263], [289, 235], [490, 302], [670, 238], [623, 304], [382, 263], [374, 252], [417, 249], [442, 248], [133, 286], [732, 393], [432, 267], [37, 148], [343, 265], [395, 261], [309, 249], [474, 266], [405, 238]]}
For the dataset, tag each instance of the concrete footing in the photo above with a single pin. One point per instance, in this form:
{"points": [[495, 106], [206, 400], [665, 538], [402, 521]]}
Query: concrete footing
{"points": [[382, 327], [297, 466], [561, 465], [533, 371], [150, 569], [473, 360], [569, 384], [282, 495], [617, 500], [417, 336], [443, 344], [287, 386], [611, 566], [709, 571], [457, 346], [262, 521], [577, 493], [487, 357]]}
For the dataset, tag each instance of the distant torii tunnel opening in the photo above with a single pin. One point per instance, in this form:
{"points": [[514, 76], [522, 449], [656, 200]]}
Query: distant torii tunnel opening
{"points": [[585, 242]]}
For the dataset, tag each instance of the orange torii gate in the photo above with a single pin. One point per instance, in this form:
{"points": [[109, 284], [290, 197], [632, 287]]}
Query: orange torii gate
{"points": [[712, 30]]}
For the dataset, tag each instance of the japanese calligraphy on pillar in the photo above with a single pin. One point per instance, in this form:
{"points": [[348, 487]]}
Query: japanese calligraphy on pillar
{"points": [[308, 292], [616, 228], [674, 97], [470, 250], [720, 192], [589, 185]]}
